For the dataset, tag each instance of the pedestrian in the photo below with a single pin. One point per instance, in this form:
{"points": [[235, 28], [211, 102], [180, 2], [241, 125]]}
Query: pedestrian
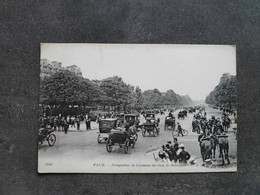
{"points": [[183, 156], [168, 151], [78, 123], [175, 148], [172, 152], [89, 124], [176, 144], [179, 129], [86, 124], [66, 127]]}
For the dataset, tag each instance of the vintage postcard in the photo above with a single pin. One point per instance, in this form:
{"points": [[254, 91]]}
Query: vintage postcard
{"points": [[137, 108]]}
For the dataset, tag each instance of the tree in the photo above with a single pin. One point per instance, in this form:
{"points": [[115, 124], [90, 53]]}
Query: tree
{"points": [[139, 99], [152, 98], [224, 94], [64, 89], [116, 92]]}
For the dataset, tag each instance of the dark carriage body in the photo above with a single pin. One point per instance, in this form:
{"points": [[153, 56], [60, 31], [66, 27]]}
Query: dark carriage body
{"points": [[151, 126], [121, 138], [118, 137], [105, 126], [169, 122], [131, 119]]}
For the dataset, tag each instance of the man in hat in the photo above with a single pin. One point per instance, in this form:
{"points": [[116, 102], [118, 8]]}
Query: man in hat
{"points": [[176, 144], [183, 156], [170, 114], [179, 129], [173, 151]]}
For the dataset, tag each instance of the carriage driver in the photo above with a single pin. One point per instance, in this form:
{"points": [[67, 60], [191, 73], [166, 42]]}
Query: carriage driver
{"points": [[170, 114]]}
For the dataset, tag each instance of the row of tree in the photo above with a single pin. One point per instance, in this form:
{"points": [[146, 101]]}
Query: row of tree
{"points": [[64, 89], [224, 94]]}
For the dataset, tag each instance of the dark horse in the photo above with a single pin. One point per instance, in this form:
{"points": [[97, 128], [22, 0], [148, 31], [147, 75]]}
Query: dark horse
{"points": [[223, 148], [208, 148]]}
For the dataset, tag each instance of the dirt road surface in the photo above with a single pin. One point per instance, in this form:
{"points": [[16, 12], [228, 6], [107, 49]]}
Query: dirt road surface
{"points": [[79, 151]]}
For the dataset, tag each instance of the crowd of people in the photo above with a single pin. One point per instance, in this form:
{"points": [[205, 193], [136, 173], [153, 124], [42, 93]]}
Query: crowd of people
{"points": [[174, 152], [58, 123]]}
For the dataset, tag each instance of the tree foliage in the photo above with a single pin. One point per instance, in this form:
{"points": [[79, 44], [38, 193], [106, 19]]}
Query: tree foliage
{"points": [[64, 89], [224, 94], [156, 99]]}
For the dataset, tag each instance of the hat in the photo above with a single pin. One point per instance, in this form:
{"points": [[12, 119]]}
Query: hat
{"points": [[181, 145], [169, 142]]}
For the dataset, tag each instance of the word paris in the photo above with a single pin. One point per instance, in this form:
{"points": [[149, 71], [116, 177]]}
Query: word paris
{"points": [[137, 108]]}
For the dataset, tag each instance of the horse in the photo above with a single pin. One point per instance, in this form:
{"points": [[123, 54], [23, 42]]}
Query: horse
{"points": [[223, 147], [208, 148], [205, 149]]}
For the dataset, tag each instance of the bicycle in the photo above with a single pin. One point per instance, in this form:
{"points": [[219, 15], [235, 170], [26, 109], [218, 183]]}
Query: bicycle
{"points": [[176, 131]]}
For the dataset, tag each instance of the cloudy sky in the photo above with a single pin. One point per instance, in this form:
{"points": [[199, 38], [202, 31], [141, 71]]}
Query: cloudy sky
{"points": [[192, 70]]}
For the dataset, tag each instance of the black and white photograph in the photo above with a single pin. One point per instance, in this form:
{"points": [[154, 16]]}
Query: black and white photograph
{"points": [[137, 108]]}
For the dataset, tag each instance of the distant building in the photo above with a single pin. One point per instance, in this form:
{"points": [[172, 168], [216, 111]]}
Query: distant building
{"points": [[74, 69], [56, 66], [49, 68]]}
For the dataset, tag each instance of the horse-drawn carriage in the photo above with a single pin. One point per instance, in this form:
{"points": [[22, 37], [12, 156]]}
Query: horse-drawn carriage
{"points": [[149, 115], [131, 119], [46, 134], [182, 114], [105, 126], [122, 138], [150, 128], [169, 122]]}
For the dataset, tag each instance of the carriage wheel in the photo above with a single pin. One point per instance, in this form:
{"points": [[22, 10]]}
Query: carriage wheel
{"points": [[143, 132], [109, 145], [51, 139], [185, 132], [126, 145], [174, 133], [98, 139]]}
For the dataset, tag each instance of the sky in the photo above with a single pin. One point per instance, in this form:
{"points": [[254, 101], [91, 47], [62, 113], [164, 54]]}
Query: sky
{"points": [[192, 70]]}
